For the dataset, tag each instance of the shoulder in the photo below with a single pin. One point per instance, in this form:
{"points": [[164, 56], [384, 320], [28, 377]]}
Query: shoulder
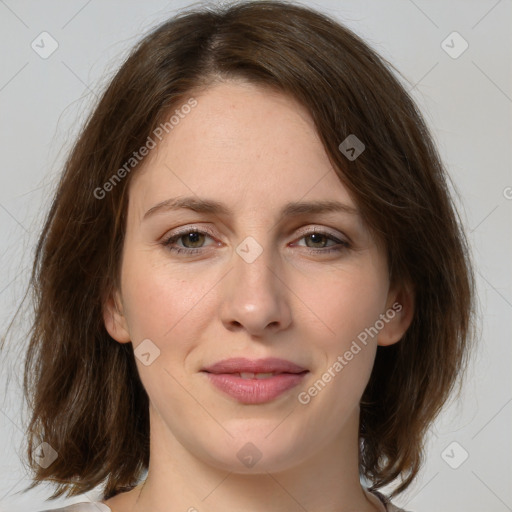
{"points": [[87, 506], [393, 508], [389, 506]]}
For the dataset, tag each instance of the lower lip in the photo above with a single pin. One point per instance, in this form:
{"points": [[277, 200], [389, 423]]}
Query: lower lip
{"points": [[255, 391]]}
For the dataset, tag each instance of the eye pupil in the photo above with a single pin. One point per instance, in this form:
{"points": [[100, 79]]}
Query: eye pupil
{"points": [[316, 238], [193, 238]]}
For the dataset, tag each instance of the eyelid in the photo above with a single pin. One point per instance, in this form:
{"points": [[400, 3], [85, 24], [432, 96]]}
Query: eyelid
{"points": [[189, 229], [308, 230]]}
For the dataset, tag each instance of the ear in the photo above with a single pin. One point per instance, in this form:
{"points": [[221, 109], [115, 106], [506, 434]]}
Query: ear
{"points": [[115, 321], [398, 314]]}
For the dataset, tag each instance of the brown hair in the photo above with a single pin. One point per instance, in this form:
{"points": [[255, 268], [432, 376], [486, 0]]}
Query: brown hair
{"points": [[83, 388]]}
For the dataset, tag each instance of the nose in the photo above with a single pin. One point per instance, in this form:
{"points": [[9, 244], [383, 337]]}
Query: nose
{"points": [[255, 296]]}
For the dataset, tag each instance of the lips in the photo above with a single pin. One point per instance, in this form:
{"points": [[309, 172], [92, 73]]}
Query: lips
{"points": [[254, 381], [240, 365]]}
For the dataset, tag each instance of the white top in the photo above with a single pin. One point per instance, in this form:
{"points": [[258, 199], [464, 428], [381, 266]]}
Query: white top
{"points": [[88, 506]]}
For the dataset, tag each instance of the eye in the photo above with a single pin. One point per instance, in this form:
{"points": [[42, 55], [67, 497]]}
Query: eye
{"points": [[319, 239], [192, 240]]}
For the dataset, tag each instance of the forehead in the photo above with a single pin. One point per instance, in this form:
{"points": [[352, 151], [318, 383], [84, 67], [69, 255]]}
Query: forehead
{"points": [[243, 145]]}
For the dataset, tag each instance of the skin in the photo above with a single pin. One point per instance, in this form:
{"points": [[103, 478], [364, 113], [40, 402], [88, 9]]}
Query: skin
{"points": [[254, 150]]}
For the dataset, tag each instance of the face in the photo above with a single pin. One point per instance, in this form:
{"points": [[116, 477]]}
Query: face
{"points": [[256, 277]]}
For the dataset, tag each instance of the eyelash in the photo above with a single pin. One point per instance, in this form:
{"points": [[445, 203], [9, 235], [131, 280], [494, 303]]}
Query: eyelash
{"points": [[342, 245]]}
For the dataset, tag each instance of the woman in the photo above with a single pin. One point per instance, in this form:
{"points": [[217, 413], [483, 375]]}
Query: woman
{"points": [[252, 282]]}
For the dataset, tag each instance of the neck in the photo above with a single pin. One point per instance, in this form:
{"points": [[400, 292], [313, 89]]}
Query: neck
{"points": [[180, 479]]}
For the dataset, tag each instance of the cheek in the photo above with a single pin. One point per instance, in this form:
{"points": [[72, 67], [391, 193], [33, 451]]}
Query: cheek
{"points": [[343, 303], [163, 303], [167, 307], [346, 354]]}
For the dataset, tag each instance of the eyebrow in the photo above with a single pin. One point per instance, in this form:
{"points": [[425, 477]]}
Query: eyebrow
{"points": [[214, 207]]}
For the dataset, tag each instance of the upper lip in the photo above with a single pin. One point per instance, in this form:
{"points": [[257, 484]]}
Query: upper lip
{"points": [[243, 365]]}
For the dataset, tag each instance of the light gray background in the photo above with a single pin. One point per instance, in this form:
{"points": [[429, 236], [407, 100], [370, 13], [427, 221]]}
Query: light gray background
{"points": [[467, 102]]}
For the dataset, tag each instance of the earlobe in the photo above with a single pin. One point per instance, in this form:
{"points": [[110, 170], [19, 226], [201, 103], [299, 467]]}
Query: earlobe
{"points": [[398, 315], [114, 319]]}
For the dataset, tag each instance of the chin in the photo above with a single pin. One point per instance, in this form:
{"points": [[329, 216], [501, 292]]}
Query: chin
{"points": [[255, 449]]}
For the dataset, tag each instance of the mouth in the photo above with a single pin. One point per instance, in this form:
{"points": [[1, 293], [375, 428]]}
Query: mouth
{"points": [[254, 381]]}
